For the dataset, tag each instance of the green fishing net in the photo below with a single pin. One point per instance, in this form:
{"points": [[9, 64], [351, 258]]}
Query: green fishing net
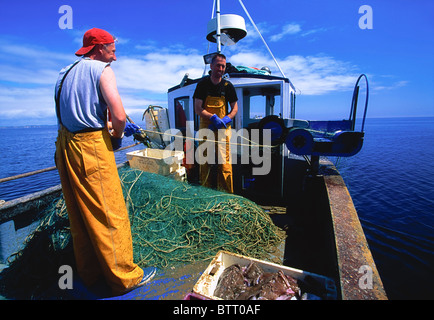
{"points": [[172, 222]]}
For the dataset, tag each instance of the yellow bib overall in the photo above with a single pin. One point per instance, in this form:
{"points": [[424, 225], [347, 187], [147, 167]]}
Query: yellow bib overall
{"points": [[217, 105], [100, 226]]}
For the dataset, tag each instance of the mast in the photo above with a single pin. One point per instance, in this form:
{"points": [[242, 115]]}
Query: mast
{"points": [[219, 45]]}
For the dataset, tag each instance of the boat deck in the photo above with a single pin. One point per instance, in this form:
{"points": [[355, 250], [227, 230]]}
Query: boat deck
{"points": [[324, 236]]}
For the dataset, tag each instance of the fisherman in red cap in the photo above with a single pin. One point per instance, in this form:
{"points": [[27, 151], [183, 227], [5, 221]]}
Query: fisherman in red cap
{"points": [[85, 92]]}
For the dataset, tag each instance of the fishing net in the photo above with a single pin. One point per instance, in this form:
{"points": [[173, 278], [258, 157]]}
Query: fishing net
{"points": [[172, 222], [33, 271]]}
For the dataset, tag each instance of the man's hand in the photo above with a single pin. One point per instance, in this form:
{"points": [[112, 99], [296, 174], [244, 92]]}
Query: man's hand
{"points": [[226, 120], [130, 129], [217, 123]]}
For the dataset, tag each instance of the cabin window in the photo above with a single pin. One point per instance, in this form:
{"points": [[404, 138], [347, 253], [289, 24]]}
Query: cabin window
{"points": [[260, 102], [276, 106], [262, 106], [257, 107], [181, 111]]}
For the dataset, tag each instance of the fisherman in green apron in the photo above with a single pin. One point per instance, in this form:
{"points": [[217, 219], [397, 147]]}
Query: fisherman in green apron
{"points": [[211, 99]]}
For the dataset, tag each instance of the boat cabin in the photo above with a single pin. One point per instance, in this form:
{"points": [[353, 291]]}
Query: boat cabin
{"points": [[259, 95]]}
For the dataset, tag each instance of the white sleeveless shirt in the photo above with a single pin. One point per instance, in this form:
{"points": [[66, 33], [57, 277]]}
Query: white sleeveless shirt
{"points": [[82, 106]]}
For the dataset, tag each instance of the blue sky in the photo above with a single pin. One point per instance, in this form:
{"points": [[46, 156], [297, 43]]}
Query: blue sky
{"points": [[318, 44]]}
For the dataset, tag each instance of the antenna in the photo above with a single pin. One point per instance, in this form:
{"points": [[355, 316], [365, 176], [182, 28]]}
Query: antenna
{"points": [[263, 40], [226, 29]]}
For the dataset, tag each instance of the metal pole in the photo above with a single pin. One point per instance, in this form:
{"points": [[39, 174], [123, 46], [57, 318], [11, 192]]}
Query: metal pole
{"points": [[219, 45]]}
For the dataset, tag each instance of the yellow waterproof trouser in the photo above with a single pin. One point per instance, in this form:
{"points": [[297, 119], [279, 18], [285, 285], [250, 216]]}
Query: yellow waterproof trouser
{"points": [[217, 105], [99, 221]]}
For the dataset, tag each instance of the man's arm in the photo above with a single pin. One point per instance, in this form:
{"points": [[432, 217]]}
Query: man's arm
{"points": [[111, 96], [234, 110]]}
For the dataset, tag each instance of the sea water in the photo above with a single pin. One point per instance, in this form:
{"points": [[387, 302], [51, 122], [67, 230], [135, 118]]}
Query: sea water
{"points": [[391, 181]]}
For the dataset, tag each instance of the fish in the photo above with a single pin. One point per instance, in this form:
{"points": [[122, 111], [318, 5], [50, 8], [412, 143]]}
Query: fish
{"points": [[231, 283], [252, 273], [252, 283], [277, 286]]}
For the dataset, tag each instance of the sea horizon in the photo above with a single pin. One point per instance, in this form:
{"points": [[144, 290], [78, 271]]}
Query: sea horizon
{"points": [[142, 122]]}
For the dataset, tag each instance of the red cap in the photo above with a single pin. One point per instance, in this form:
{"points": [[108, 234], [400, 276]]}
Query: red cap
{"points": [[92, 37]]}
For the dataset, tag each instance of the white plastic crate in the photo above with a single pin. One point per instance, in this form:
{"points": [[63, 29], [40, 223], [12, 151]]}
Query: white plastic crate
{"points": [[159, 161], [208, 281]]}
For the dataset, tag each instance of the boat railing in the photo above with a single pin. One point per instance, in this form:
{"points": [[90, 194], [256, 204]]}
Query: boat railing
{"points": [[330, 137], [32, 173]]}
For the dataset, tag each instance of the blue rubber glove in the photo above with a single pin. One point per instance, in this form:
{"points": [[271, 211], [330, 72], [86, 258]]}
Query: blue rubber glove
{"points": [[116, 143], [226, 120], [217, 123], [130, 129]]}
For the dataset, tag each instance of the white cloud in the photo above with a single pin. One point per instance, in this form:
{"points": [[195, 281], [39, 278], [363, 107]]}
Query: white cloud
{"points": [[135, 105], [144, 80], [314, 75], [378, 86], [156, 72], [18, 74], [313, 31], [288, 29], [311, 75], [16, 103], [250, 59], [26, 64], [27, 89], [29, 52]]}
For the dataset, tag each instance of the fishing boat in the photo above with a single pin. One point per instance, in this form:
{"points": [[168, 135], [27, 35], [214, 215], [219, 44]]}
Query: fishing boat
{"points": [[299, 187]]}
